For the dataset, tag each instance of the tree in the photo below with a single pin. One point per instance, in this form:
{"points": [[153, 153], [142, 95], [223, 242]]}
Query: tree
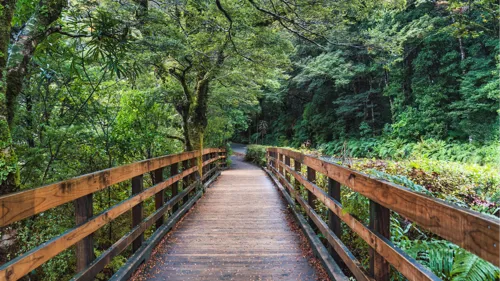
{"points": [[212, 46]]}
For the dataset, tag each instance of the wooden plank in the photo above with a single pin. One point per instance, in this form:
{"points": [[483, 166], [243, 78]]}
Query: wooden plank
{"points": [[401, 261], [98, 265], [174, 170], [333, 220], [470, 230], [209, 173], [298, 167], [20, 205], [321, 252], [126, 271], [311, 199], [144, 254], [212, 150], [194, 176], [344, 253], [380, 222], [230, 235], [137, 210], [84, 251], [203, 167], [185, 180], [20, 266], [160, 196], [287, 175], [280, 170]]}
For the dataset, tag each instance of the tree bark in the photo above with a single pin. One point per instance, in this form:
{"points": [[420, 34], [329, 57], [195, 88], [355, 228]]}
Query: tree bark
{"points": [[24, 46], [9, 177], [14, 62]]}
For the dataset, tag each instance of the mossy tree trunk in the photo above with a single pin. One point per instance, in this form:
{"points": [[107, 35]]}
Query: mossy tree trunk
{"points": [[15, 56], [9, 175], [23, 47]]}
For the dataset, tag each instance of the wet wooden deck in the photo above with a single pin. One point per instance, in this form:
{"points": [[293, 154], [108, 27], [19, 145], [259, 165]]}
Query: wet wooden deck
{"points": [[237, 231]]}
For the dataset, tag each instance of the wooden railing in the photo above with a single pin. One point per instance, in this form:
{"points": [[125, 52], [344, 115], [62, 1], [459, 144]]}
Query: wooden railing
{"points": [[183, 167], [470, 230]]}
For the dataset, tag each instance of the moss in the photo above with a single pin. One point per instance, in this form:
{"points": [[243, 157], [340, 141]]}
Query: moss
{"points": [[9, 172]]}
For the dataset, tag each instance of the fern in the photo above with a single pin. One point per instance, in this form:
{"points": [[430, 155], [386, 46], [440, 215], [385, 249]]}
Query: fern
{"points": [[468, 266], [438, 256], [401, 180], [449, 262]]}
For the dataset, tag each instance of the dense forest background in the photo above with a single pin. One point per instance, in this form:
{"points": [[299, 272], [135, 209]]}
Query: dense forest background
{"points": [[425, 72], [87, 85]]}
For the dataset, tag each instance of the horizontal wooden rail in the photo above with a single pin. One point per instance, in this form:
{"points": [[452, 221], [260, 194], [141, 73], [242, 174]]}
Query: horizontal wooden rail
{"points": [[90, 272], [352, 263], [405, 264], [330, 265], [470, 230], [77, 188], [21, 205]]}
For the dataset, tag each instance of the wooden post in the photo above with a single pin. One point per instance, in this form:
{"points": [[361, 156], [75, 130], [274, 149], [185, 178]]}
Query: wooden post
{"points": [[210, 166], [194, 177], [311, 176], [280, 168], [224, 162], [287, 174], [297, 166], [278, 159], [380, 222], [185, 166], [268, 161], [185, 180], [137, 187], [85, 247], [333, 220], [174, 170], [214, 164], [160, 196], [203, 169]]}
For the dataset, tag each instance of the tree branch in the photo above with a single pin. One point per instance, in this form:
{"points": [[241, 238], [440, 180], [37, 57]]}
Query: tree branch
{"points": [[230, 37]]}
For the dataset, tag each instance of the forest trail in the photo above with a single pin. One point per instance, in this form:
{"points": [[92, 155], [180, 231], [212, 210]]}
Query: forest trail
{"points": [[237, 231], [239, 148]]}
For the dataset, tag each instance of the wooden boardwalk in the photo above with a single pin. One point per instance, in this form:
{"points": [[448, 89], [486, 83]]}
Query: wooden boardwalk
{"points": [[237, 231]]}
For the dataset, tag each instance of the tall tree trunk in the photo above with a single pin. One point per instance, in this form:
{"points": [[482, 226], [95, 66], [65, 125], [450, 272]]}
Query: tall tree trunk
{"points": [[199, 120], [23, 47], [9, 176], [13, 67], [9, 172]]}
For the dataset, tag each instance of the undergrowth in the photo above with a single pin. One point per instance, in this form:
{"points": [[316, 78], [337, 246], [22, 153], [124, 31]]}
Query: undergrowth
{"points": [[469, 185]]}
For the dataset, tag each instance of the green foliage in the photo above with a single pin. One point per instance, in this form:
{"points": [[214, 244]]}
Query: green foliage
{"points": [[469, 267], [400, 73], [256, 154], [382, 148], [414, 82]]}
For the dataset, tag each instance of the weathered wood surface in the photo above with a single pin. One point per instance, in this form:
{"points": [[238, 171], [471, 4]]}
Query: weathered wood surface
{"points": [[401, 261], [23, 264], [237, 231], [320, 251], [470, 230], [351, 262], [86, 224], [84, 249], [20, 205], [91, 271]]}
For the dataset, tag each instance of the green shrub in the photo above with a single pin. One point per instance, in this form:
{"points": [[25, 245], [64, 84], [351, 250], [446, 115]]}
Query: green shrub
{"points": [[398, 149], [256, 154]]}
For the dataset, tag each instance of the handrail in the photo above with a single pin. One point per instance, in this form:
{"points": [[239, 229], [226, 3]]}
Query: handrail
{"points": [[17, 206], [470, 230]]}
